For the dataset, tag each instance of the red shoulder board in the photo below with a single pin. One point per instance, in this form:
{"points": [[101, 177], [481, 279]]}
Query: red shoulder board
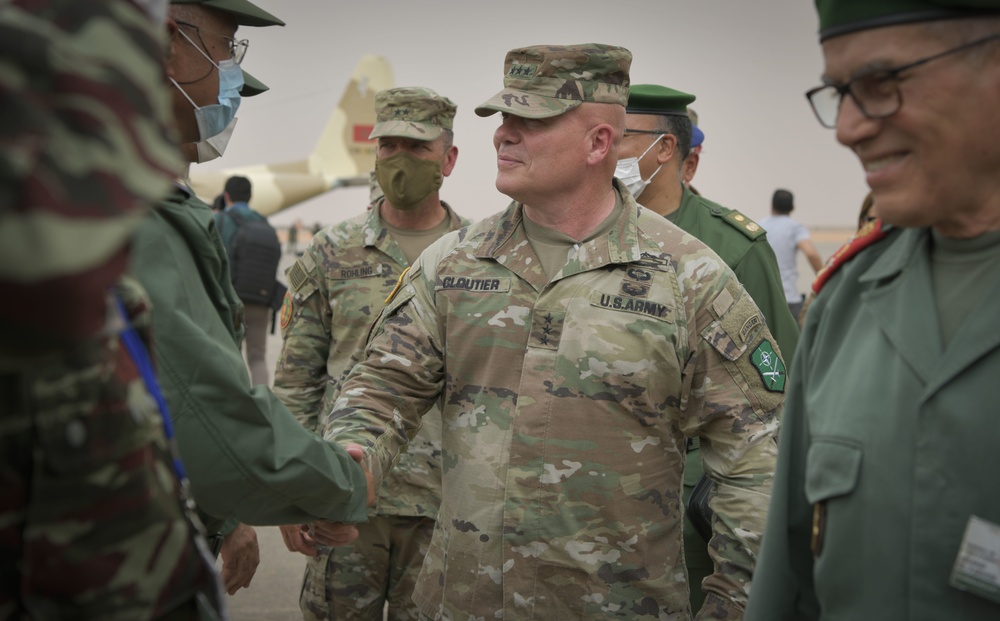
{"points": [[866, 236]]}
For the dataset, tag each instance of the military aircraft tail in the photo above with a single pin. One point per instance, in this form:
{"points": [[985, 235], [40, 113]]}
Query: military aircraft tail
{"points": [[342, 157]]}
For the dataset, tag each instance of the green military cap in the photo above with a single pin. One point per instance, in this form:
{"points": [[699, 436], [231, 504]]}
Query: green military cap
{"points": [[838, 17], [547, 80], [247, 13], [412, 112], [656, 99], [251, 85]]}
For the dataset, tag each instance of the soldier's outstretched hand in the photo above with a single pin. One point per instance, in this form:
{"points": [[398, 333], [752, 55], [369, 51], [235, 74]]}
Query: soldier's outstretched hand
{"points": [[240, 557], [298, 539], [357, 453]]}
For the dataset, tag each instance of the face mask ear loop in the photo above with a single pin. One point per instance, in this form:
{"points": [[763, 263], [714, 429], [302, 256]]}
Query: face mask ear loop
{"points": [[658, 168], [191, 101], [649, 148]]}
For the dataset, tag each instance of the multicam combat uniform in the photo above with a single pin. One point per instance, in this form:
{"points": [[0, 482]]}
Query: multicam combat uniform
{"points": [[566, 406], [91, 521], [337, 289]]}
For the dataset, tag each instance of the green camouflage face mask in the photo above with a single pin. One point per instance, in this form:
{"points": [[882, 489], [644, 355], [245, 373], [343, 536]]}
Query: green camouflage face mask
{"points": [[407, 180]]}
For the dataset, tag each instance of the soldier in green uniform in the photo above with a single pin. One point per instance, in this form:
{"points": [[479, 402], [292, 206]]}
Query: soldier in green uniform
{"points": [[657, 142], [248, 459], [574, 341], [885, 503], [93, 523], [337, 289]]}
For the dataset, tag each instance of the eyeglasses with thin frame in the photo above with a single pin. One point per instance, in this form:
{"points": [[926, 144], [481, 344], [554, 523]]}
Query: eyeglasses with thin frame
{"points": [[875, 92], [237, 47], [631, 132]]}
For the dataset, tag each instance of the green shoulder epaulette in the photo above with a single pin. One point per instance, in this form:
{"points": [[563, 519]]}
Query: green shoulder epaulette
{"points": [[743, 224]]}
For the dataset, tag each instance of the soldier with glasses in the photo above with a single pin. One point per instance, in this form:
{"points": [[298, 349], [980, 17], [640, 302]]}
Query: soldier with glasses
{"points": [[884, 503]]}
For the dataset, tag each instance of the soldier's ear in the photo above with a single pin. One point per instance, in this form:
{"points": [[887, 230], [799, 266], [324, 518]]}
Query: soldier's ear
{"points": [[667, 148], [601, 142]]}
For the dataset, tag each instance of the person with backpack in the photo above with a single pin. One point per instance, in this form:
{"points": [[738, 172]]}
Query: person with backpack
{"points": [[254, 252]]}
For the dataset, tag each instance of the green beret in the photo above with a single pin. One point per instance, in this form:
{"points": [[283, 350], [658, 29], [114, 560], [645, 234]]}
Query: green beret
{"points": [[838, 17], [247, 13], [656, 99]]}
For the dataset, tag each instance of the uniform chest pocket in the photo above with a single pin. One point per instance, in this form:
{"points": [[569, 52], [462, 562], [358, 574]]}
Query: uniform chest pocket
{"points": [[833, 468]]}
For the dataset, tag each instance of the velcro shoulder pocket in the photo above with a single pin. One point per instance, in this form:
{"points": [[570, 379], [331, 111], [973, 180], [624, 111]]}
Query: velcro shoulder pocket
{"points": [[740, 335], [302, 278]]}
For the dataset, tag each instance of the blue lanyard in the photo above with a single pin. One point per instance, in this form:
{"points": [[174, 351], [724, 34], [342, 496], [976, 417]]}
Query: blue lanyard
{"points": [[139, 355]]}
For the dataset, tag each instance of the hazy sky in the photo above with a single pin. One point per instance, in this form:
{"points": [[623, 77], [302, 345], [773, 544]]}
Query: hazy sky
{"points": [[748, 62]]}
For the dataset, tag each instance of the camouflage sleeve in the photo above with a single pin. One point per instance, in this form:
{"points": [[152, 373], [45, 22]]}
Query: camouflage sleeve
{"points": [[87, 145], [300, 377], [383, 400], [737, 383]]}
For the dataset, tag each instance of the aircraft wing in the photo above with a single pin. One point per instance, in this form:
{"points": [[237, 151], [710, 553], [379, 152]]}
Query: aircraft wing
{"points": [[343, 156]]}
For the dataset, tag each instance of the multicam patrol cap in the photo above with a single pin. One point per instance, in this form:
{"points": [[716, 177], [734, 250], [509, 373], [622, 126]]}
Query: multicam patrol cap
{"points": [[838, 17], [247, 13], [412, 112], [548, 80]]}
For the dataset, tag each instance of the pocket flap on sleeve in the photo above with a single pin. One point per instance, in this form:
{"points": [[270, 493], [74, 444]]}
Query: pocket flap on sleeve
{"points": [[832, 469]]}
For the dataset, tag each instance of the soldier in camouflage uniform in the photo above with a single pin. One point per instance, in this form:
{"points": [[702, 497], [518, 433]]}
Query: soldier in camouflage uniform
{"points": [[92, 522], [576, 341], [657, 142], [337, 290]]}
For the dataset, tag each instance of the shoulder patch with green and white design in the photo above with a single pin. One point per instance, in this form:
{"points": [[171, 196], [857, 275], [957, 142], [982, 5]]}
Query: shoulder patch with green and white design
{"points": [[770, 366]]}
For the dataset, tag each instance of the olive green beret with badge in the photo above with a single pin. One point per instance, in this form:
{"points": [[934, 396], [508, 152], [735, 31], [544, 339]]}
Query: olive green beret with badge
{"points": [[656, 99], [247, 13], [412, 112], [838, 17], [543, 81]]}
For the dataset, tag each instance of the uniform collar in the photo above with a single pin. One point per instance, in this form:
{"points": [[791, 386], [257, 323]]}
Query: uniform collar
{"points": [[897, 255]]}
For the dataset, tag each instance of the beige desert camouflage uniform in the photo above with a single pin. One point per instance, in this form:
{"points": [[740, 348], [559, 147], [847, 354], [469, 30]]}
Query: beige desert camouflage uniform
{"points": [[566, 407], [336, 291]]}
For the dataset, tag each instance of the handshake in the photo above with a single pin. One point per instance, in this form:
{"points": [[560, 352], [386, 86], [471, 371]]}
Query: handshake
{"points": [[305, 538]]}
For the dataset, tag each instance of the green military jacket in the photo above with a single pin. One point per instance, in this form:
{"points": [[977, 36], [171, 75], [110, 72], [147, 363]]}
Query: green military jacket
{"points": [[246, 456], [566, 406], [742, 244], [894, 438], [337, 289]]}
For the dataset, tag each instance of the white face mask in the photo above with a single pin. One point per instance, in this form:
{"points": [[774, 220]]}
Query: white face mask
{"points": [[214, 119], [627, 171], [213, 148]]}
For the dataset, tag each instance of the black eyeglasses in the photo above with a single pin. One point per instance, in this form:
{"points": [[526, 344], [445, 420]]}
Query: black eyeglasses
{"points": [[631, 132], [875, 92], [237, 48]]}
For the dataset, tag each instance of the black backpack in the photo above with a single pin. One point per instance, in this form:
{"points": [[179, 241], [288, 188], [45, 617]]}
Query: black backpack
{"points": [[254, 255]]}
